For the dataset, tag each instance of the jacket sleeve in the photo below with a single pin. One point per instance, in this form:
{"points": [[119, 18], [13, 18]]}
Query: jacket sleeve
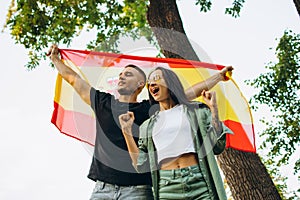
{"points": [[143, 165], [217, 140]]}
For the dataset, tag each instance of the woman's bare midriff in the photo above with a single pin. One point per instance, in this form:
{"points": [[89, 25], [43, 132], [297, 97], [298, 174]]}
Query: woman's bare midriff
{"points": [[185, 160]]}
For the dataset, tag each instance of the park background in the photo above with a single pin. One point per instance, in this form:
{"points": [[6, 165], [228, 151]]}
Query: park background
{"points": [[37, 162]]}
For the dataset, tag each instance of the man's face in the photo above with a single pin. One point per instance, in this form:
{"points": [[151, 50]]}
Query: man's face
{"points": [[129, 81]]}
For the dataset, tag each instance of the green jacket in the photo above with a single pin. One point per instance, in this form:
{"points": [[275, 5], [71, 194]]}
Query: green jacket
{"points": [[206, 141]]}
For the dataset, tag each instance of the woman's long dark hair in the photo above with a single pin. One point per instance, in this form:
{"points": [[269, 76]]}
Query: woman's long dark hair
{"points": [[174, 86]]}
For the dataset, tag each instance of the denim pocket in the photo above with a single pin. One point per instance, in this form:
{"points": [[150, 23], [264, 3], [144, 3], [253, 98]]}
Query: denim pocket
{"points": [[168, 181]]}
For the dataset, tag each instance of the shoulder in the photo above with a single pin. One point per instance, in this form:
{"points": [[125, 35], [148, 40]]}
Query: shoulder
{"points": [[197, 105], [97, 94], [145, 124], [200, 109], [145, 103], [97, 97], [149, 122], [143, 129]]}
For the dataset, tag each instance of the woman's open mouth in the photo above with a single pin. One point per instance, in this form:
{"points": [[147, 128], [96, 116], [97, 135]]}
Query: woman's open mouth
{"points": [[154, 90]]}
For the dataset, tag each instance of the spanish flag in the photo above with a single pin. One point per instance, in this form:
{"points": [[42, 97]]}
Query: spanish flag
{"points": [[76, 119]]}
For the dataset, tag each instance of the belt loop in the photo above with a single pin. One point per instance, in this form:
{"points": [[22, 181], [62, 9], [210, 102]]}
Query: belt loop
{"points": [[173, 173], [100, 184], [191, 170]]}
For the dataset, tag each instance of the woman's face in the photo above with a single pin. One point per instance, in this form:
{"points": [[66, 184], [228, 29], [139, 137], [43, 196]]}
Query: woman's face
{"points": [[157, 86]]}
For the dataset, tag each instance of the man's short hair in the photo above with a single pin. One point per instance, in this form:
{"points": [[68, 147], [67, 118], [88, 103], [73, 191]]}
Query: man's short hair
{"points": [[139, 70]]}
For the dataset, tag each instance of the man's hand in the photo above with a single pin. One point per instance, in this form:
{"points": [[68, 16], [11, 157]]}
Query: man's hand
{"points": [[81, 86], [225, 72]]}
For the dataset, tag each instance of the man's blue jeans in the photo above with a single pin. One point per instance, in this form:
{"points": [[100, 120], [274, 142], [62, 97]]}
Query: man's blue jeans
{"points": [[106, 191]]}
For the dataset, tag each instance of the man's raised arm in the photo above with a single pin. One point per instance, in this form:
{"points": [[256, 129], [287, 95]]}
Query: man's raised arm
{"points": [[81, 86], [196, 90]]}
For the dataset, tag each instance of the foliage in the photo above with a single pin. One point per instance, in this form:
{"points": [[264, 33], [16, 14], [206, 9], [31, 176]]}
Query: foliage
{"points": [[36, 24], [279, 90], [234, 11], [279, 180]]}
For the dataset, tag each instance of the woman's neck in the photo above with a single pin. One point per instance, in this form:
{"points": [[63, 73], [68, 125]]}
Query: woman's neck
{"points": [[166, 105]]}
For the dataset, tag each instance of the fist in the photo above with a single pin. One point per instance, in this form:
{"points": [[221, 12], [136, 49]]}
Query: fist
{"points": [[126, 120], [53, 52], [210, 98], [226, 73]]}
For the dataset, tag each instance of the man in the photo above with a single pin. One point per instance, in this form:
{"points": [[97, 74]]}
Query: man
{"points": [[111, 166]]}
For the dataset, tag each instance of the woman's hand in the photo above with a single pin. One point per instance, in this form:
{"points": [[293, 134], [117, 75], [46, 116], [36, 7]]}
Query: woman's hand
{"points": [[226, 73], [210, 99], [126, 121]]}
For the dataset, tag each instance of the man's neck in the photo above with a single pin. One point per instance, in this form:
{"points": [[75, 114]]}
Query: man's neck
{"points": [[128, 98]]}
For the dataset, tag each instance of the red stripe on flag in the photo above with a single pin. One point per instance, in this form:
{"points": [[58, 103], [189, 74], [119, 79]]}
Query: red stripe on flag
{"points": [[85, 58], [74, 124], [240, 140]]}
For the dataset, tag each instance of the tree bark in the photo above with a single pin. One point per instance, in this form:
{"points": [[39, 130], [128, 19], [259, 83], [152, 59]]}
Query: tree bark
{"points": [[246, 175], [164, 19], [297, 5]]}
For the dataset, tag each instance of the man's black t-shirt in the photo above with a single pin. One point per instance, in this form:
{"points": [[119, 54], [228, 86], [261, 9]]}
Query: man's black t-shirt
{"points": [[111, 161]]}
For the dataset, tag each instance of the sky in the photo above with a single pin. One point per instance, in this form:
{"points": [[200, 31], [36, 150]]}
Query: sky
{"points": [[38, 162]]}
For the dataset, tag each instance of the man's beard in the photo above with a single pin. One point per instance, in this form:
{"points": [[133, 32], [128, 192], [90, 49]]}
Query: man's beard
{"points": [[123, 91]]}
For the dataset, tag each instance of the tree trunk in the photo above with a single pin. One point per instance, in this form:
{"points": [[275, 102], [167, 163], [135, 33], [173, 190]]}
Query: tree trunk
{"points": [[297, 5], [246, 175], [164, 19]]}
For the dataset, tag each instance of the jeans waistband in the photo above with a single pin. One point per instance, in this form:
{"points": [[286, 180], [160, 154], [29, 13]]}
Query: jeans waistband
{"points": [[175, 173], [102, 184]]}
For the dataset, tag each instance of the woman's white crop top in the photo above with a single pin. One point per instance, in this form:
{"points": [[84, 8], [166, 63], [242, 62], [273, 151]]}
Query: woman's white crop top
{"points": [[172, 134]]}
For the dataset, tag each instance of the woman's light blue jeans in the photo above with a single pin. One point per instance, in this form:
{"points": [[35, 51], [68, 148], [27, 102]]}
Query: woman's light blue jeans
{"points": [[185, 183]]}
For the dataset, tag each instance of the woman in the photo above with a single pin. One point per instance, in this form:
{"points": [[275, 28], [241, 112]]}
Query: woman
{"points": [[178, 143]]}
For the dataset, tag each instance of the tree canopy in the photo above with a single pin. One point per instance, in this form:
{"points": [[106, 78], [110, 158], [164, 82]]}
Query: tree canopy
{"points": [[36, 24]]}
